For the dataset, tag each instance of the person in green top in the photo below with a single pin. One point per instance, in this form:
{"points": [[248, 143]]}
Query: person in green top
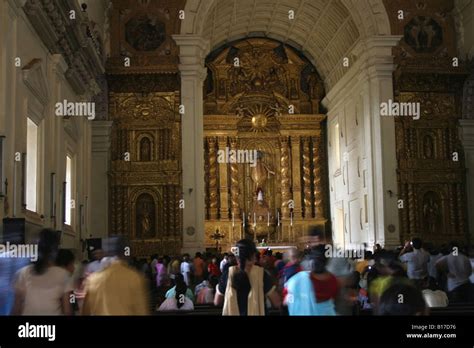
{"points": [[390, 272], [172, 292]]}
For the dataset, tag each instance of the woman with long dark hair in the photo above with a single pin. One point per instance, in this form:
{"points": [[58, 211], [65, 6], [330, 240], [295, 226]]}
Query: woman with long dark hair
{"points": [[244, 288], [180, 300], [43, 288]]}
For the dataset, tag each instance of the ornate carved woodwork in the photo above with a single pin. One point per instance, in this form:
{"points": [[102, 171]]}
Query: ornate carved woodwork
{"points": [[143, 89], [145, 171], [234, 178], [76, 40], [431, 170], [318, 177], [263, 144]]}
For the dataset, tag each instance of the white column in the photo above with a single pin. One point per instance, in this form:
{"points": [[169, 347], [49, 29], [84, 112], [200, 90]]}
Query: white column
{"points": [[383, 143], [467, 137], [368, 81], [98, 201], [193, 50]]}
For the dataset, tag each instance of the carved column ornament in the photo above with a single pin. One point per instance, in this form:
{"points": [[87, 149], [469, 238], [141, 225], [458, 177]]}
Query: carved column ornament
{"points": [[223, 185], [317, 177], [285, 176], [234, 178], [307, 177], [213, 194]]}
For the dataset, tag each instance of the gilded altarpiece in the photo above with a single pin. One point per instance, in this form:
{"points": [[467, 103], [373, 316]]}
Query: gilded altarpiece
{"points": [[143, 82], [145, 174], [431, 170], [265, 147]]}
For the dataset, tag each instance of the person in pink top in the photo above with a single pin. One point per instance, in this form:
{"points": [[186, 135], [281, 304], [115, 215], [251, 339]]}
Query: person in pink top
{"points": [[161, 272]]}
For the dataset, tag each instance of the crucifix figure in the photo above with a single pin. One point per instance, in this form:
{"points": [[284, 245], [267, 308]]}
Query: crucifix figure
{"points": [[217, 236]]}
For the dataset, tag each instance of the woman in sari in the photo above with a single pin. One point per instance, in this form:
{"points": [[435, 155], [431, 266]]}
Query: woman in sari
{"points": [[312, 292]]}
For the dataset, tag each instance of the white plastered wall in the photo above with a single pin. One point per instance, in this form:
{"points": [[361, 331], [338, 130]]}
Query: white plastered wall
{"points": [[57, 136]]}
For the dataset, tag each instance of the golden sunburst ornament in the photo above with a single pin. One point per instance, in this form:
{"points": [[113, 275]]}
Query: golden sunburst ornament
{"points": [[259, 115], [259, 122]]}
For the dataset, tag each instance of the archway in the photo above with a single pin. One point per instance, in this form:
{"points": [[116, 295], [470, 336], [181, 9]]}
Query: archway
{"points": [[350, 45]]}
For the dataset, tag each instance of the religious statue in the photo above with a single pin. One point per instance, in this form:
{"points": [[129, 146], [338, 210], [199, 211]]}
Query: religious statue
{"points": [[145, 150], [260, 173], [431, 214], [260, 213], [428, 147], [145, 220]]}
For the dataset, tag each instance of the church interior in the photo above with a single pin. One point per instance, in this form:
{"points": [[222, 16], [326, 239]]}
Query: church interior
{"points": [[175, 82], [185, 126]]}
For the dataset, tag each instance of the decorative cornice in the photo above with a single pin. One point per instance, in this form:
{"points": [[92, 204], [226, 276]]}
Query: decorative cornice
{"points": [[72, 38]]}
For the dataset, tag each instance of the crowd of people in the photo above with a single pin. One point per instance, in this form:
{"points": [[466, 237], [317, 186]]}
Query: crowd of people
{"points": [[246, 281]]}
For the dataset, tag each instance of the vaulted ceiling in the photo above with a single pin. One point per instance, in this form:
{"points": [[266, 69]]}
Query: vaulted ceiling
{"points": [[325, 30]]}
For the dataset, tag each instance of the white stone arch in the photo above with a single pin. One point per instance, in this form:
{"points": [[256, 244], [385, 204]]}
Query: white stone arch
{"points": [[370, 14], [325, 31], [360, 30]]}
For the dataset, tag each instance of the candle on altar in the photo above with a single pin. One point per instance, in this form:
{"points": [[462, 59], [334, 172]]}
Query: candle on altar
{"points": [[291, 219], [243, 221], [278, 218], [233, 223], [268, 219], [254, 219]]}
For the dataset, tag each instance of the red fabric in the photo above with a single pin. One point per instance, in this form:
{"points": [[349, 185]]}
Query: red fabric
{"points": [[213, 269], [325, 289], [284, 293]]}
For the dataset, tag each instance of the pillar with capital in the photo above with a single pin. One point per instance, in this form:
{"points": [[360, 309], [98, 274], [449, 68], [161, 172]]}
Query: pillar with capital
{"points": [[193, 50]]}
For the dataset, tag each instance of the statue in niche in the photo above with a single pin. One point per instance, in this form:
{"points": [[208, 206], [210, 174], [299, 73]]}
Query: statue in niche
{"points": [[260, 173], [145, 212], [428, 147], [431, 212], [145, 150]]}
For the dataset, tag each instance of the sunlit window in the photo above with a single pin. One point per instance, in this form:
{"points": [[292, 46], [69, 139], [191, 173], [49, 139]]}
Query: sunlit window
{"points": [[69, 201], [31, 165]]}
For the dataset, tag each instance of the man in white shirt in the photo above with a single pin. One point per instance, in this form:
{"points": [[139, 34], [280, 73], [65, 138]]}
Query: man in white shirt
{"points": [[95, 265], [458, 268], [186, 269], [224, 262], [416, 259]]}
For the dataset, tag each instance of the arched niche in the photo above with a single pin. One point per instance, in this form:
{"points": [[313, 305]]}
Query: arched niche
{"points": [[145, 148], [145, 219]]}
